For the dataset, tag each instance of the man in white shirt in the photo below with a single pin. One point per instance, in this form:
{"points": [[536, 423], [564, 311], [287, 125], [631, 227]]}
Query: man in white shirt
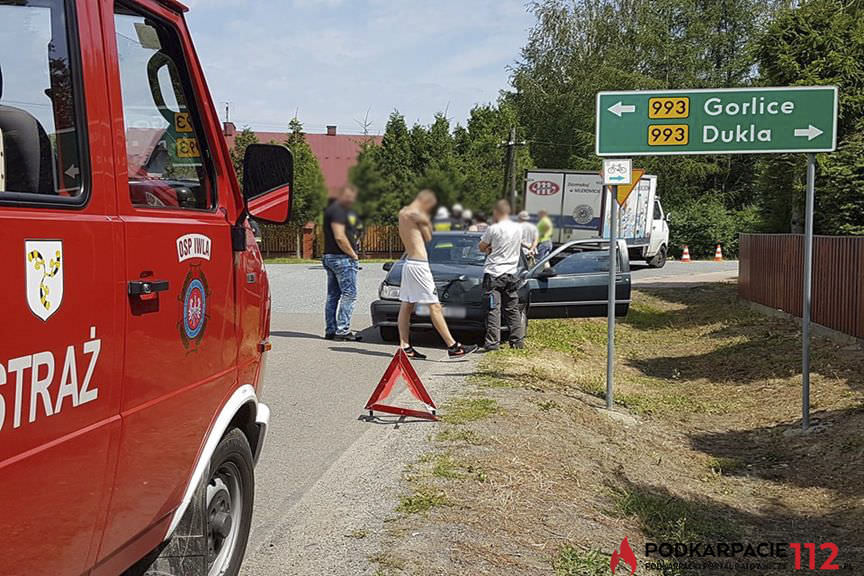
{"points": [[530, 236], [502, 242]]}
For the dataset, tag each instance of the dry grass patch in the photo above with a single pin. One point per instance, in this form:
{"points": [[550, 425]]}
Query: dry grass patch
{"points": [[705, 444]]}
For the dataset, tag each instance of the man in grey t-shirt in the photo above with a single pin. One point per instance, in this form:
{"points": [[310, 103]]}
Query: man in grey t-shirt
{"points": [[502, 242]]}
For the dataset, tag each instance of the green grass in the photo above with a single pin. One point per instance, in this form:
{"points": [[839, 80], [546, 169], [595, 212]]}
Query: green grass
{"points": [[563, 335], [467, 409], [574, 562], [668, 518], [460, 435], [547, 405], [445, 466], [422, 500], [720, 465], [647, 317], [668, 403]]}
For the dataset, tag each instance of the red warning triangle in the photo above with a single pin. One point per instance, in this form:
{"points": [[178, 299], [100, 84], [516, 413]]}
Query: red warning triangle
{"points": [[401, 366]]}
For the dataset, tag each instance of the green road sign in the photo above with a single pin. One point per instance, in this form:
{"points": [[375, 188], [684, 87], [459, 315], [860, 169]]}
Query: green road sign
{"points": [[721, 121]]}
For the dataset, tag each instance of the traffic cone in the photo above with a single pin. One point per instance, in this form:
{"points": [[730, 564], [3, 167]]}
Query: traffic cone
{"points": [[685, 257], [718, 254]]}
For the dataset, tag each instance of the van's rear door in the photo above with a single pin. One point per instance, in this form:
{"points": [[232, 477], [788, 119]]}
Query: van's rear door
{"points": [[61, 338]]}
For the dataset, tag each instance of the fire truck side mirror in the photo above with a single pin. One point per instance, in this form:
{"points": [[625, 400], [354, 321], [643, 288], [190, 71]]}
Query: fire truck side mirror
{"points": [[268, 182]]}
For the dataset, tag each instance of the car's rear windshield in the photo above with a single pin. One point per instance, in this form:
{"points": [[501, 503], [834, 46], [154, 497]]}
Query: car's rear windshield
{"points": [[454, 249]]}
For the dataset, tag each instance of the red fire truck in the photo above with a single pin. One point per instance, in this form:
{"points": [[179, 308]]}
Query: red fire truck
{"points": [[137, 306]]}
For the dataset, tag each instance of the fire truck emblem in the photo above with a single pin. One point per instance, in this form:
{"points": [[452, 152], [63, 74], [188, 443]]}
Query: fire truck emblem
{"points": [[193, 308], [44, 260]]}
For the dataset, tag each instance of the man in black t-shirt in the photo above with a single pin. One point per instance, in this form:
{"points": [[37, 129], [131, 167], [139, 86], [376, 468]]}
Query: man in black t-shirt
{"points": [[340, 261]]}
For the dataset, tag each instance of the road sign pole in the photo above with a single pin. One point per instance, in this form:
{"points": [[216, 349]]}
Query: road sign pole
{"points": [[613, 260], [808, 289]]}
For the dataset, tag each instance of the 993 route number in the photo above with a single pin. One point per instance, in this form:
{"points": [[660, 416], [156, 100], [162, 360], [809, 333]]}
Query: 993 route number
{"points": [[669, 107], [668, 135]]}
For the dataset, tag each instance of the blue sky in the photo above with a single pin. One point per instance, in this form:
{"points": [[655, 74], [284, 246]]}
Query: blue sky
{"points": [[332, 60]]}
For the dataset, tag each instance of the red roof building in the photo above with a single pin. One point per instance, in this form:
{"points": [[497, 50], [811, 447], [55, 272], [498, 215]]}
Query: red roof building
{"points": [[336, 153]]}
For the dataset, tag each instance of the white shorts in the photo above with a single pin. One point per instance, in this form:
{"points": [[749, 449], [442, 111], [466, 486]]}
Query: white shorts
{"points": [[418, 286]]}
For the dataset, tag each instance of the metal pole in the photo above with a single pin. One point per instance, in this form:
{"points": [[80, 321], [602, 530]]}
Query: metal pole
{"points": [[808, 290], [613, 260], [511, 167]]}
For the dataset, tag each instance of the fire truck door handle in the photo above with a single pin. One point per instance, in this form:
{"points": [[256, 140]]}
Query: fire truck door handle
{"points": [[145, 287]]}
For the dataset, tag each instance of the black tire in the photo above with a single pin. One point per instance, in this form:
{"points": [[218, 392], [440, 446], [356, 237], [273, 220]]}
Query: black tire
{"points": [[232, 470], [389, 333], [659, 259]]}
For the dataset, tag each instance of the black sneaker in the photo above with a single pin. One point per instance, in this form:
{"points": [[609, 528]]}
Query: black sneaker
{"points": [[329, 336], [486, 349], [412, 353], [349, 337], [459, 351]]}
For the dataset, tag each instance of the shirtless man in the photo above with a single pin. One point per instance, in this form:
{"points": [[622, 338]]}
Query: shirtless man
{"points": [[418, 287]]}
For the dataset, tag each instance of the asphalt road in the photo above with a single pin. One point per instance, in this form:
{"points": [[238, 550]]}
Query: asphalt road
{"points": [[327, 480]]}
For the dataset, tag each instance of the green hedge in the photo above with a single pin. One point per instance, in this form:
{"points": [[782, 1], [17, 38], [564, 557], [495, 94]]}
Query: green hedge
{"points": [[706, 223]]}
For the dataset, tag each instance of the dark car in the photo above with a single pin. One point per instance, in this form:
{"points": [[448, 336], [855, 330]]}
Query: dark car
{"points": [[572, 282]]}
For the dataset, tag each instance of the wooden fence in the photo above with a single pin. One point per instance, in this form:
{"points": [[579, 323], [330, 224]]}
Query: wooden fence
{"points": [[381, 241], [772, 273], [281, 242]]}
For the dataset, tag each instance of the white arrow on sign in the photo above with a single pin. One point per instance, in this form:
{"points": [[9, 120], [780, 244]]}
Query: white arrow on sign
{"points": [[73, 171], [810, 132], [620, 108]]}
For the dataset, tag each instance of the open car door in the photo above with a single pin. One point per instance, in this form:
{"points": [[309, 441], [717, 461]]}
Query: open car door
{"points": [[573, 282]]}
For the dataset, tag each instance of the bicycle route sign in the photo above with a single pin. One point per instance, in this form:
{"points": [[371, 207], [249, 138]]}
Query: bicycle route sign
{"points": [[717, 121]]}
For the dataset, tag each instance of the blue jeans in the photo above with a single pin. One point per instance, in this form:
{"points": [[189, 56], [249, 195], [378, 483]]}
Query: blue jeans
{"points": [[341, 293], [543, 250]]}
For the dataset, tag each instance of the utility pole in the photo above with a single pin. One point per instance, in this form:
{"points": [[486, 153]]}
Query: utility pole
{"points": [[510, 179]]}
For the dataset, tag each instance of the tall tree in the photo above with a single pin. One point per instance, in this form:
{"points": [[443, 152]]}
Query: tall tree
{"points": [[580, 47], [310, 190], [464, 165], [242, 141], [385, 175], [819, 42]]}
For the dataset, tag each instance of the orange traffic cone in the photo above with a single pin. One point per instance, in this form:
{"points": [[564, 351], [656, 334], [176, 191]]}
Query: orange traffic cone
{"points": [[718, 254], [685, 257]]}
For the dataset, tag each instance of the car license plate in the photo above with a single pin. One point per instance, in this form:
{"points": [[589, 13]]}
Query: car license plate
{"points": [[458, 312]]}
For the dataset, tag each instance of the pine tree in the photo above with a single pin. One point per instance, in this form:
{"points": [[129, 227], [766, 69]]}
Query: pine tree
{"points": [[242, 141], [310, 190]]}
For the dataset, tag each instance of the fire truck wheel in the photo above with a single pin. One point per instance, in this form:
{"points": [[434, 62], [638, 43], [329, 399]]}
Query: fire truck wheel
{"points": [[230, 494]]}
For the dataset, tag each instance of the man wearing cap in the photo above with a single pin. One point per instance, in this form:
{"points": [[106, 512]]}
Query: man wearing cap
{"points": [[530, 237]]}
